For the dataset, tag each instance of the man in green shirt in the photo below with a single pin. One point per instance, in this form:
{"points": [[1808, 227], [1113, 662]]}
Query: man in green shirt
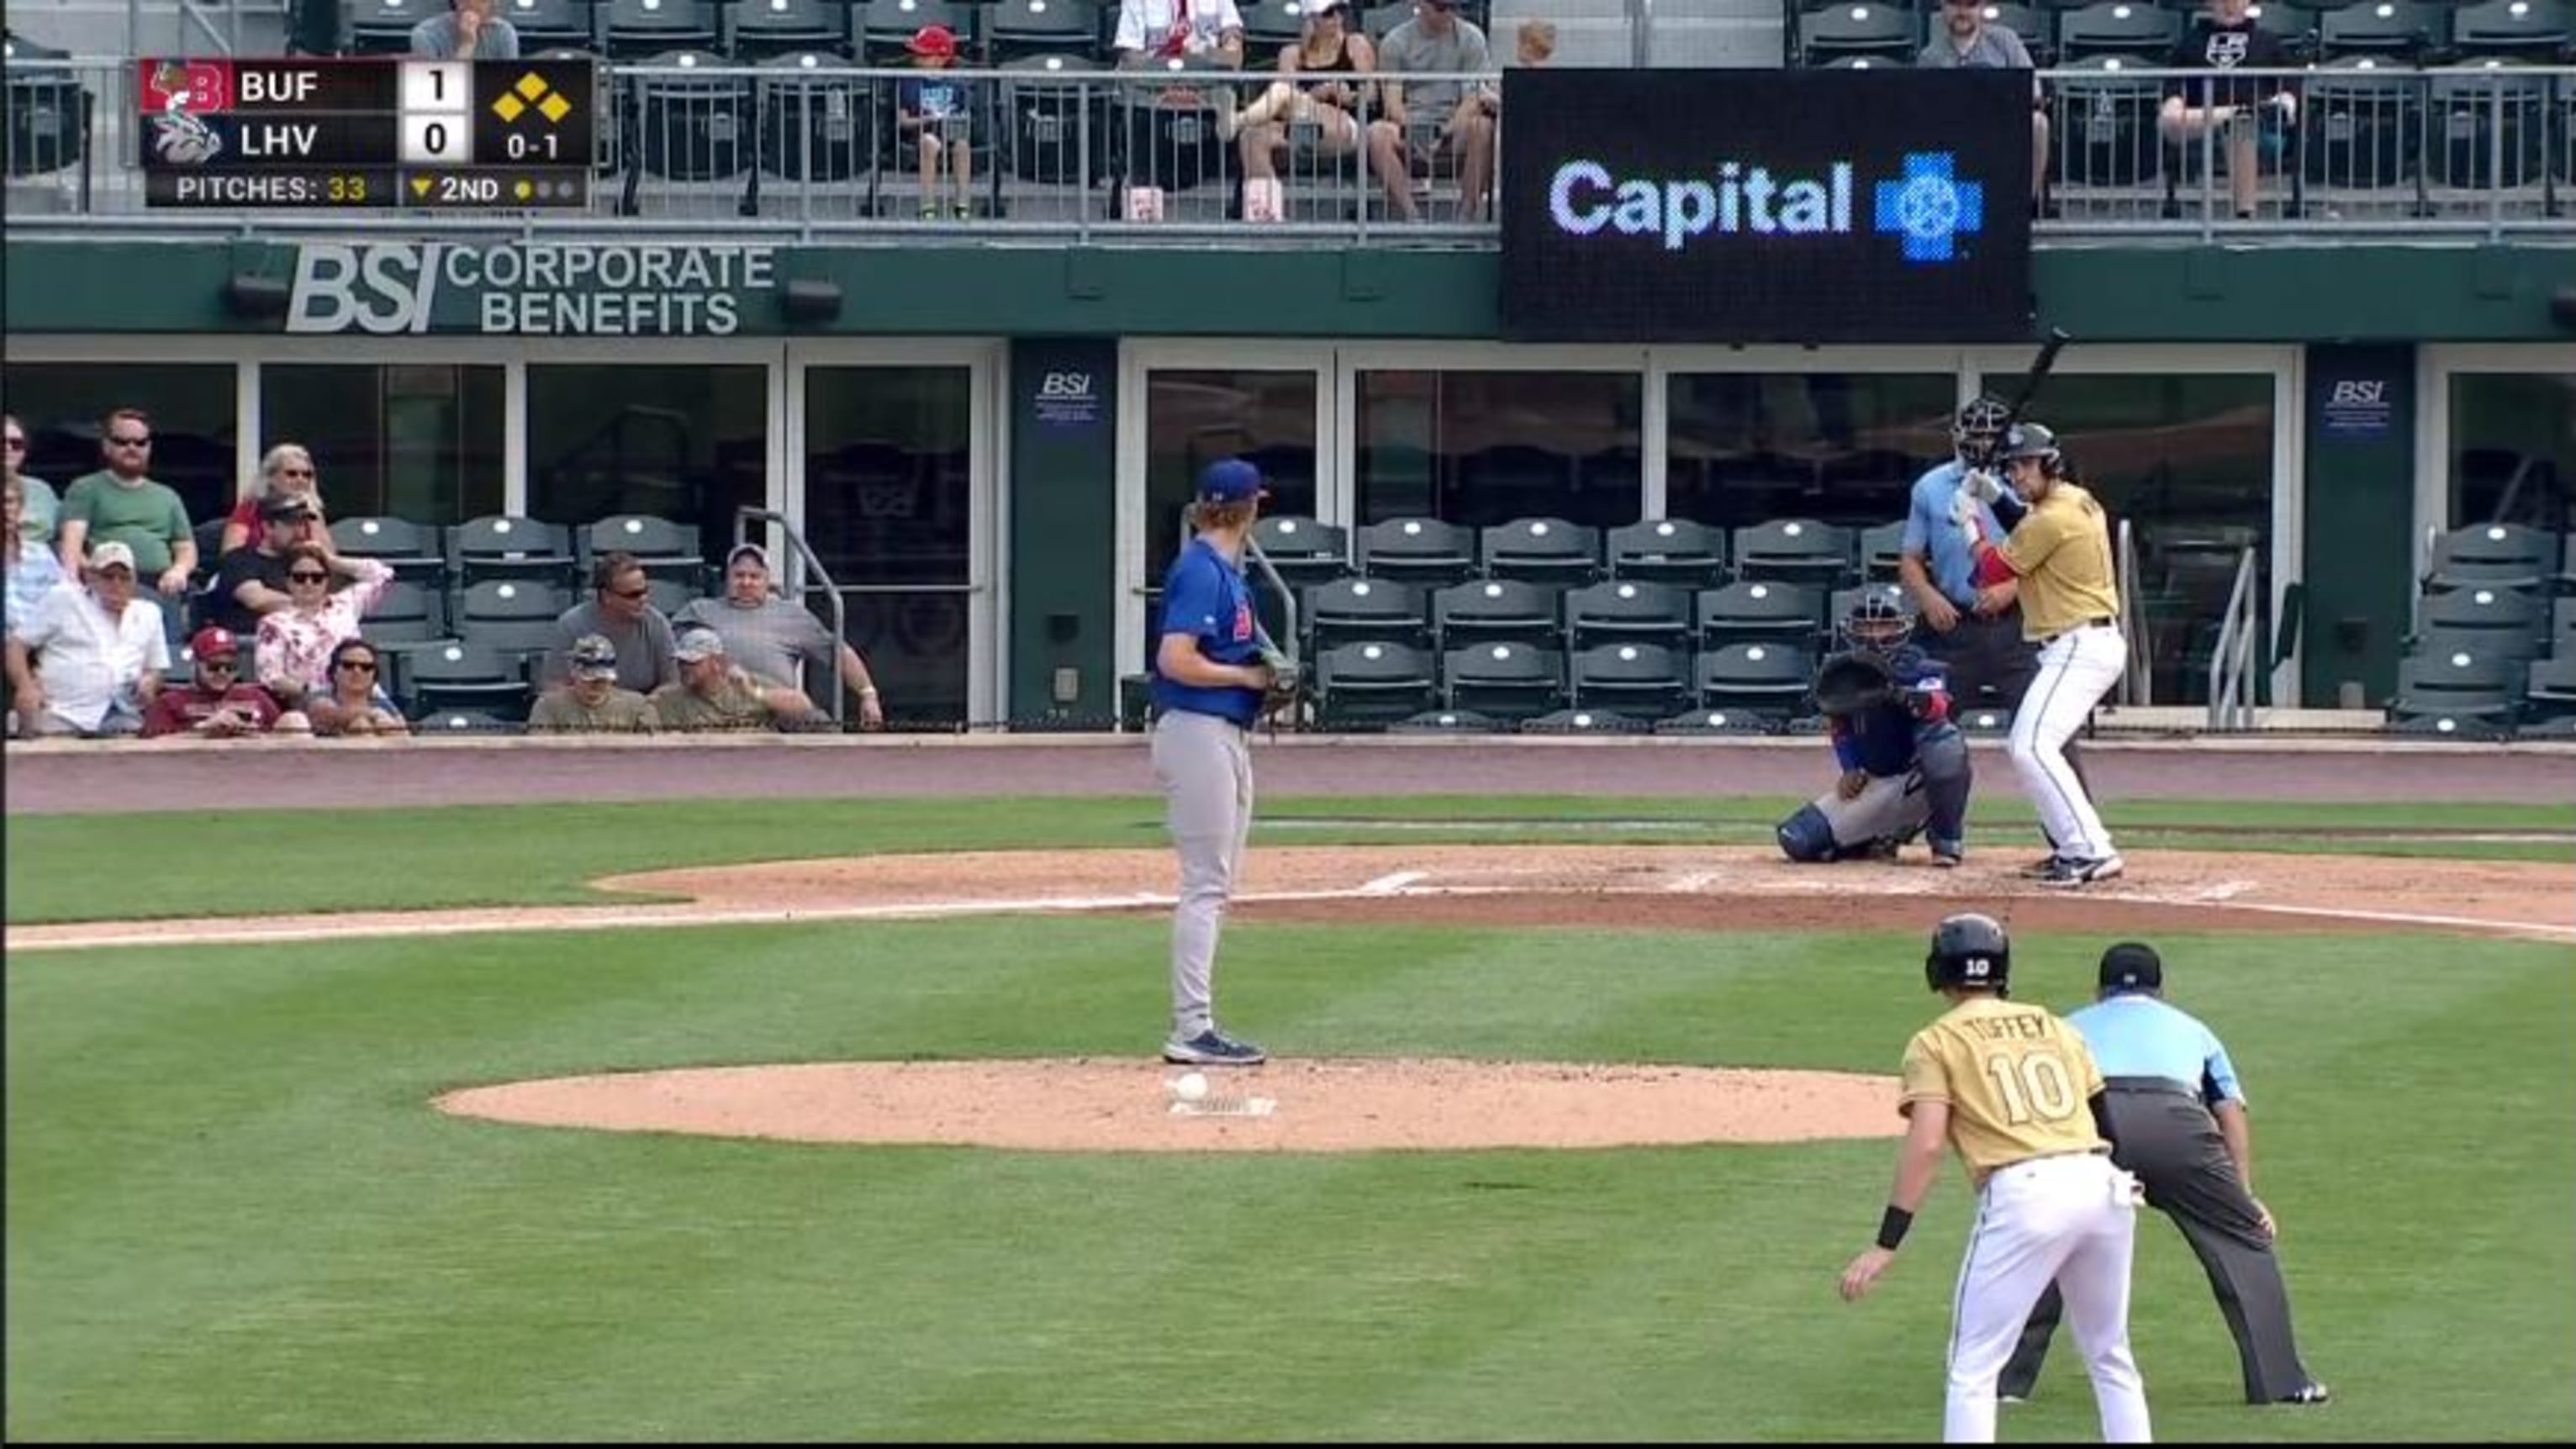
{"points": [[590, 701], [711, 694], [120, 504]]}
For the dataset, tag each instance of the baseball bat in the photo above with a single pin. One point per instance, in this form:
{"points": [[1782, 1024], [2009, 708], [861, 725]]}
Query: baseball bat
{"points": [[2040, 367]]}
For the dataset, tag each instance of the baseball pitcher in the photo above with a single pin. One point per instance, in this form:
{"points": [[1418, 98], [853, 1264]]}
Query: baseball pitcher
{"points": [[1904, 763]]}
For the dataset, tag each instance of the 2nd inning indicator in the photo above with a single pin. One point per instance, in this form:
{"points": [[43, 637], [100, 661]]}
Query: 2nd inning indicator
{"points": [[369, 133]]}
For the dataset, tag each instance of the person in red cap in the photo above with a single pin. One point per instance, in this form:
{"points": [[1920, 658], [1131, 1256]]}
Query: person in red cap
{"points": [[932, 108], [217, 704]]}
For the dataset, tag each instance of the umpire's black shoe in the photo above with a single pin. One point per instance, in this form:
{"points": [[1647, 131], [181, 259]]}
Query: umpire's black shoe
{"points": [[2310, 1392]]}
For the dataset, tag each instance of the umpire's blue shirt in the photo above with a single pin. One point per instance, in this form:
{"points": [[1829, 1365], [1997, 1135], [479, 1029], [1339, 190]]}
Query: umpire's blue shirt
{"points": [[1929, 532], [1205, 596], [2133, 1034]]}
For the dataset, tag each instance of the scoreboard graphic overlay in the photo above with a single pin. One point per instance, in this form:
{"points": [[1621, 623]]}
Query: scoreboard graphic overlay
{"points": [[354, 134]]}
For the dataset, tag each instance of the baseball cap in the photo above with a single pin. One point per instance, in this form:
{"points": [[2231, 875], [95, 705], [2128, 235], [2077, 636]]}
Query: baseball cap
{"points": [[1229, 480], [214, 642], [750, 551], [594, 657], [933, 40], [278, 507], [111, 554], [2132, 966], [699, 643]]}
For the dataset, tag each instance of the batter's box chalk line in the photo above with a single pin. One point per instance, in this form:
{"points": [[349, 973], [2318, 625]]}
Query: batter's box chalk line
{"points": [[1227, 1107]]}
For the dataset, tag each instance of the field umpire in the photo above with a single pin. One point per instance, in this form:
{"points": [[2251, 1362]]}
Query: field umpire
{"points": [[2177, 1119]]}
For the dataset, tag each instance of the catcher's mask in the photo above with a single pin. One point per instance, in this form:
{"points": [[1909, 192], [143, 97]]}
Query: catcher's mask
{"points": [[1978, 431], [1875, 622], [1969, 950]]}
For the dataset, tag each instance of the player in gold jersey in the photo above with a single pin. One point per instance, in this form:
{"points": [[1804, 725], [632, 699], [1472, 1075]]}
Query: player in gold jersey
{"points": [[2016, 1090]]}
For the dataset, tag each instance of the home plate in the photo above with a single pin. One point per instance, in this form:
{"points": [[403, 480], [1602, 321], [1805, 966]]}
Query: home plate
{"points": [[1227, 1107]]}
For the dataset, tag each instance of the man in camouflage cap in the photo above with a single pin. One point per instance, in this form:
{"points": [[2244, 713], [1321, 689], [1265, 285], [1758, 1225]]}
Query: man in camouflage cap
{"points": [[589, 699]]}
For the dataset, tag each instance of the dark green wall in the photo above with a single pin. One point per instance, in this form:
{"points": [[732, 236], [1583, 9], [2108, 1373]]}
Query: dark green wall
{"points": [[2100, 294], [2360, 511], [1064, 422]]}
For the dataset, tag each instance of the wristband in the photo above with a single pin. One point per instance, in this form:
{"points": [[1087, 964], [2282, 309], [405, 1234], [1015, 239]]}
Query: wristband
{"points": [[1891, 1228], [866, 690]]}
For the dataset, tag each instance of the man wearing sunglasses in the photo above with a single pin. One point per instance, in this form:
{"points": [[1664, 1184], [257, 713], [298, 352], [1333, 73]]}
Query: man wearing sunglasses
{"points": [[121, 503], [252, 581], [100, 649], [217, 703], [620, 609]]}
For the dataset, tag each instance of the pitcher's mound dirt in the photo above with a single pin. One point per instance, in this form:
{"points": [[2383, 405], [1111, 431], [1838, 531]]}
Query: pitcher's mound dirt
{"points": [[1096, 1104]]}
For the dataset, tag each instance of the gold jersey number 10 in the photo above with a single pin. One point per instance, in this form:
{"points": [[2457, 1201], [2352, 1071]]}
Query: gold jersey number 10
{"points": [[2034, 1087]]}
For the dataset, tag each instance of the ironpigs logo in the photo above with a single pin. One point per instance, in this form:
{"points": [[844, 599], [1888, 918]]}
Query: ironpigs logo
{"points": [[183, 140]]}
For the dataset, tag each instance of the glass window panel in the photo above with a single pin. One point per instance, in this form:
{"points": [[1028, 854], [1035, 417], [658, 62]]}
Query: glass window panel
{"points": [[2513, 448], [889, 500], [61, 404], [421, 442], [1484, 448], [2187, 461], [1839, 447], [683, 442], [1193, 418]]}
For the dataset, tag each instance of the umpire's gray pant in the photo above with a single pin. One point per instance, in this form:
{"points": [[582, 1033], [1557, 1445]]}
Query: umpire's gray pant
{"points": [[2161, 1132], [1205, 766]]}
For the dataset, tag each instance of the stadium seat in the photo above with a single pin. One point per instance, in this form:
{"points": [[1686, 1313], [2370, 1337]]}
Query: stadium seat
{"points": [[1839, 606], [2562, 627], [1449, 722], [1645, 680], [1986, 723], [2451, 726], [2362, 118], [1625, 611], [1580, 721], [1305, 553], [2488, 126], [672, 595], [763, 29], [1491, 609], [500, 546], [50, 116], [2556, 727], [1719, 722], [2106, 134], [1507, 680], [406, 613], [1769, 678], [1422, 551], [511, 616], [2461, 685], [2537, 31], [1355, 611], [2117, 27], [383, 27], [1880, 548], [885, 26], [689, 127], [1670, 551], [1794, 550], [466, 722], [463, 676], [2495, 555], [2567, 548], [814, 125], [1751, 611], [660, 30], [1268, 27], [1044, 127], [416, 552], [2510, 620], [544, 24], [1866, 30], [1016, 29], [1373, 684], [2549, 688], [665, 549], [1166, 147], [2036, 27], [1542, 550], [2401, 30]]}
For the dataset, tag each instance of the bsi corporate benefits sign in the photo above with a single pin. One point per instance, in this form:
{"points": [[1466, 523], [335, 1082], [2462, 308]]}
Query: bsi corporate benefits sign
{"points": [[570, 289], [1766, 206]]}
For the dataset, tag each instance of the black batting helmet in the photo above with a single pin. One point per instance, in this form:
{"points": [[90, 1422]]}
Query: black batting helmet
{"points": [[2030, 440], [1979, 429], [1969, 950]]}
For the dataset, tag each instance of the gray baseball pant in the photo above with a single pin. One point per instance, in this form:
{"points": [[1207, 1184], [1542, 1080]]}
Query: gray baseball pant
{"points": [[1205, 766]]}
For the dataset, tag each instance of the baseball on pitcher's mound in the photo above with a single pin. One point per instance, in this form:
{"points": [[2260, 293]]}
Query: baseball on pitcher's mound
{"points": [[1190, 1086]]}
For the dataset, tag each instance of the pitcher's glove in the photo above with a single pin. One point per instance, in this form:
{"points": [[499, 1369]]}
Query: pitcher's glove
{"points": [[1283, 679], [1852, 683]]}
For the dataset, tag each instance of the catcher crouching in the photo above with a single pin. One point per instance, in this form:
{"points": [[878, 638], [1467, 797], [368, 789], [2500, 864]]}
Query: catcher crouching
{"points": [[1905, 764]]}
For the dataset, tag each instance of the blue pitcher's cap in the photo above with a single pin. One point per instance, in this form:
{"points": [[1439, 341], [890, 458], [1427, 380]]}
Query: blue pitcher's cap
{"points": [[2132, 966], [1229, 480]]}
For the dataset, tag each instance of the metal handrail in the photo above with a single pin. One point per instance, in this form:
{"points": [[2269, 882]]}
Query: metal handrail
{"points": [[744, 515], [2137, 675], [2231, 659]]}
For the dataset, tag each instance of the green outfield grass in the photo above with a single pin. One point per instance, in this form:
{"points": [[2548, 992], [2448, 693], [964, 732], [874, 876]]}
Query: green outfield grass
{"points": [[232, 1215], [74, 868]]}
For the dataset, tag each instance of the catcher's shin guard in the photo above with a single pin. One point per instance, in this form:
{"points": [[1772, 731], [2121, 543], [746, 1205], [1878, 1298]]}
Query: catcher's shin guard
{"points": [[1941, 755], [1808, 836]]}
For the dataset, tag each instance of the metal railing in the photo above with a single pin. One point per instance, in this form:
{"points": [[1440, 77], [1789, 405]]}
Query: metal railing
{"points": [[2137, 673], [807, 576], [1057, 148], [2231, 658]]}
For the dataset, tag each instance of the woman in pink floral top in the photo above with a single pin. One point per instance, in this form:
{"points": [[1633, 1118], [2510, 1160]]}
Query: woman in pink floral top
{"points": [[295, 642]]}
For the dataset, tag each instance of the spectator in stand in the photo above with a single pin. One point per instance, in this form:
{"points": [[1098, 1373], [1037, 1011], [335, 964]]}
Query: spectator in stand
{"points": [[1187, 34], [1329, 49], [1533, 46], [251, 583], [711, 694], [591, 702], [40, 503], [934, 110], [121, 503], [299, 643], [354, 702], [2242, 111], [773, 638], [33, 569], [1967, 42], [216, 704], [286, 471], [101, 651], [1436, 40], [620, 608], [469, 31]]}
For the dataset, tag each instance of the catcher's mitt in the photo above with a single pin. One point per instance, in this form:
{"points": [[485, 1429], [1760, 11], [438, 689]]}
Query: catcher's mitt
{"points": [[1284, 671], [1851, 683]]}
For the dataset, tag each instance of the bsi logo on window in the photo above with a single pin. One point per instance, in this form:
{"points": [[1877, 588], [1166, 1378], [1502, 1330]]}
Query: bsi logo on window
{"points": [[1065, 385], [2359, 394]]}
